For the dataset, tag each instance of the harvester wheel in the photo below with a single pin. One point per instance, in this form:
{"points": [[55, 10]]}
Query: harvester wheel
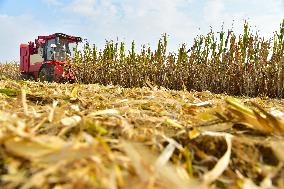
{"points": [[46, 73], [27, 77]]}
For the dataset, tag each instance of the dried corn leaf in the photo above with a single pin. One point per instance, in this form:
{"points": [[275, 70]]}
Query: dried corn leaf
{"points": [[33, 149], [71, 121], [69, 153], [201, 104], [74, 93], [166, 154], [258, 119], [47, 149], [104, 112], [168, 176], [173, 123], [278, 148], [193, 133], [223, 162]]}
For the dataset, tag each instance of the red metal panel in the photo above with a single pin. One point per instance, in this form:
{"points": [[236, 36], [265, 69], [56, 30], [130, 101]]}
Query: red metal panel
{"points": [[35, 67], [25, 58], [53, 36], [58, 72]]}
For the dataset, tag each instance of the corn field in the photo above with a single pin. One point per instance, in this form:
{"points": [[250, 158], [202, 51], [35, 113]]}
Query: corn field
{"points": [[9, 71], [221, 62]]}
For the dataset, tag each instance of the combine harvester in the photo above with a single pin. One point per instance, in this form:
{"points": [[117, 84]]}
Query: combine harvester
{"points": [[45, 59]]}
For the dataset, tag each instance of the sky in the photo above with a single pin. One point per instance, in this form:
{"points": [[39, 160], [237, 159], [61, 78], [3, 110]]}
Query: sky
{"points": [[141, 20]]}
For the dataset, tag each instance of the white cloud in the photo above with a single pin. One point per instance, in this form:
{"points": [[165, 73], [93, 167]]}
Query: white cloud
{"points": [[213, 10], [14, 31], [52, 2], [145, 20], [82, 7], [260, 14], [141, 20]]}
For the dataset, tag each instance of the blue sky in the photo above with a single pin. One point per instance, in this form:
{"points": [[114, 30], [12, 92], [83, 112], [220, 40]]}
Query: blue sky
{"points": [[141, 20]]}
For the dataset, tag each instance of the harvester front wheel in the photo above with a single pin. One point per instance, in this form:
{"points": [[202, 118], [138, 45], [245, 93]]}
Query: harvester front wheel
{"points": [[46, 73]]}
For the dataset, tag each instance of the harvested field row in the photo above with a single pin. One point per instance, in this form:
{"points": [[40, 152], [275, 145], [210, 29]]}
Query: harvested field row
{"points": [[92, 136]]}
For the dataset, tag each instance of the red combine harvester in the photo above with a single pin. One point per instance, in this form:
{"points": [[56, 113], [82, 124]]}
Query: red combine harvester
{"points": [[44, 59]]}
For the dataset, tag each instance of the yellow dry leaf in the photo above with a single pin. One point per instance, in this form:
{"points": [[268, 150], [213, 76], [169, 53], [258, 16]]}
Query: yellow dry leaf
{"points": [[74, 93], [69, 153], [278, 149], [173, 123], [32, 149], [257, 118], [193, 133], [104, 112], [47, 149], [168, 175]]}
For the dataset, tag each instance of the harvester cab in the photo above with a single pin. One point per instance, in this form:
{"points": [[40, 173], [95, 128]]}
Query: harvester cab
{"points": [[45, 59]]}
